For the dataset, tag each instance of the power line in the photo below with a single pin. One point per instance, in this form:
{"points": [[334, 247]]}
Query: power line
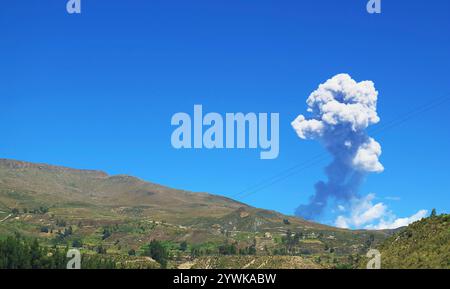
{"points": [[264, 181], [321, 157]]}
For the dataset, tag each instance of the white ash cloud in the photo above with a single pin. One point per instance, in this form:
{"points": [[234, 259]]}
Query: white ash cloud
{"points": [[341, 110], [365, 214]]}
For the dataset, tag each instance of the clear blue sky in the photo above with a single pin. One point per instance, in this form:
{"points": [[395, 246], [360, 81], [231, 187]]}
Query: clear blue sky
{"points": [[98, 90]]}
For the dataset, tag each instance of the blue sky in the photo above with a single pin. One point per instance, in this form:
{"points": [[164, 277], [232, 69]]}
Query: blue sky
{"points": [[98, 90]]}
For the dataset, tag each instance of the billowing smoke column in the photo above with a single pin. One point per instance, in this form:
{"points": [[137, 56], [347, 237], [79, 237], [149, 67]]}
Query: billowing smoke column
{"points": [[341, 109]]}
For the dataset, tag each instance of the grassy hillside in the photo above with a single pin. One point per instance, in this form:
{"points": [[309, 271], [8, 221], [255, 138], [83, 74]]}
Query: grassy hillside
{"points": [[116, 215], [423, 244]]}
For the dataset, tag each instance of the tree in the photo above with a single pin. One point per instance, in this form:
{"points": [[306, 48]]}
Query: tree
{"points": [[195, 252], [433, 213], [60, 223], [227, 249], [101, 250], [43, 210], [370, 240], [183, 246], [291, 241], [69, 231], [158, 252], [106, 233], [77, 243], [132, 252]]}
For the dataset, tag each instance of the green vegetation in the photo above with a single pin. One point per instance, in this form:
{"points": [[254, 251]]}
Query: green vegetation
{"points": [[423, 244], [227, 249], [183, 246], [19, 253], [158, 252]]}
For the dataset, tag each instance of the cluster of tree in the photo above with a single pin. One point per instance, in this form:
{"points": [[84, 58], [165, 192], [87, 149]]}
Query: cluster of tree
{"points": [[77, 243], [368, 243], [100, 250], [108, 230], [328, 249], [60, 236], [291, 240], [197, 251], [41, 210], [45, 229], [61, 223], [183, 246], [106, 234], [158, 252], [227, 249], [19, 253]]}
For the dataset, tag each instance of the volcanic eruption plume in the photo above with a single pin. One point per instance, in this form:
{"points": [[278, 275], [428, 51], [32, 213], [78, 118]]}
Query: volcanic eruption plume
{"points": [[342, 109]]}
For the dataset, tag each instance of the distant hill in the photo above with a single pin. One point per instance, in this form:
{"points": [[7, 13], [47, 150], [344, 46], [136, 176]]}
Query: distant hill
{"points": [[423, 244], [27, 184], [118, 214]]}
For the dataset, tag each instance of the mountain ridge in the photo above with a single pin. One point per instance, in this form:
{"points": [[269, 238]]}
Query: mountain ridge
{"points": [[122, 213]]}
